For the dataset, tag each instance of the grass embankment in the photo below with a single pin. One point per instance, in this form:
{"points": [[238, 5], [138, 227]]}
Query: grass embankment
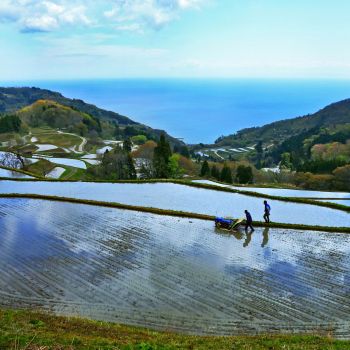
{"points": [[40, 331], [168, 212]]}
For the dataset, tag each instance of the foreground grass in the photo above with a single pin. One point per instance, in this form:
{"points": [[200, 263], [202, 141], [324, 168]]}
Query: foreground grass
{"points": [[33, 331]]}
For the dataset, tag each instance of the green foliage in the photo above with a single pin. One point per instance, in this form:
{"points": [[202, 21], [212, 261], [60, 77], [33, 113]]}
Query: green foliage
{"points": [[205, 170], [116, 164], [215, 173], [183, 150], [286, 161], [258, 147], [226, 175], [244, 174], [10, 123], [139, 139], [175, 171], [127, 145], [162, 154]]}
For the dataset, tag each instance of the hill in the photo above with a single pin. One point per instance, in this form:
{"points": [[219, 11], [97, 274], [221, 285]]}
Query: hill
{"points": [[52, 114], [13, 99], [330, 116]]}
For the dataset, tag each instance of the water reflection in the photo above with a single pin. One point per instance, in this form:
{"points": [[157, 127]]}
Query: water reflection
{"points": [[265, 237], [168, 272], [248, 238]]}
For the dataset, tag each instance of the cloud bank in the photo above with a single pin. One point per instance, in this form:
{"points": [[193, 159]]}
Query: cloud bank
{"points": [[122, 15]]}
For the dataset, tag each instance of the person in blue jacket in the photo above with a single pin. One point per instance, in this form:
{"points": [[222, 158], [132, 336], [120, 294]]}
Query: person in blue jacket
{"points": [[267, 211], [249, 221]]}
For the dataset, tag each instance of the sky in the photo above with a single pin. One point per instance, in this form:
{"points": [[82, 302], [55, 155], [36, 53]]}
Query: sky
{"points": [[85, 39]]}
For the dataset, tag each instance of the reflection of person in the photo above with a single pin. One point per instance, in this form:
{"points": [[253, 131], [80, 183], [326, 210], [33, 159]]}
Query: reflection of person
{"points": [[248, 238], [249, 221], [267, 210], [265, 237]]}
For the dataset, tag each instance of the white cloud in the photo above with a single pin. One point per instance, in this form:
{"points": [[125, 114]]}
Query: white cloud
{"points": [[123, 15], [136, 15], [43, 15]]}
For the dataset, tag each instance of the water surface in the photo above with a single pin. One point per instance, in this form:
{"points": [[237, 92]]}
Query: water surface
{"points": [[184, 198], [13, 174], [171, 273], [282, 192]]}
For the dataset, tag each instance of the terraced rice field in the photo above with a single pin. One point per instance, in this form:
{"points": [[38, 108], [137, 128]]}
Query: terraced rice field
{"points": [[13, 174], [283, 192], [171, 273], [184, 198]]}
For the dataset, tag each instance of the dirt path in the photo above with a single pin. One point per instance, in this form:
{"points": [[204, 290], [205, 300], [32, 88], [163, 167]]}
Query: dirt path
{"points": [[81, 146]]}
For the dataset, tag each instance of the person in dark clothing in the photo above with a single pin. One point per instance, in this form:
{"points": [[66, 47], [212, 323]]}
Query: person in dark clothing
{"points": [[249, 221], [267, 210]]}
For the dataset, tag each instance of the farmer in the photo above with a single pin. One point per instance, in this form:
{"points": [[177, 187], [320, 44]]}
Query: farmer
{"points": [[267, 210], [249, 221]]}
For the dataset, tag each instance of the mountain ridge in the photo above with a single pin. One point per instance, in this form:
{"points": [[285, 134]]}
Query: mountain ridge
{"points": [[13, 99], [332, 114]]}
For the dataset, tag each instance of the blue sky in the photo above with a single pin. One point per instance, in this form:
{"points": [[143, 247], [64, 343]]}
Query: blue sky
{"points": [[72, 39]]}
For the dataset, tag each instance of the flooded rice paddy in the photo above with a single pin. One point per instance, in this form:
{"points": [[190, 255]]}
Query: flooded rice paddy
{"points": [[13, 174], [282, 192], [171, 273], [65, 161], [184, 198]]}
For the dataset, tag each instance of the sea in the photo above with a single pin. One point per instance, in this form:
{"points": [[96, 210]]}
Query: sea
{"points": [[201, 110]]}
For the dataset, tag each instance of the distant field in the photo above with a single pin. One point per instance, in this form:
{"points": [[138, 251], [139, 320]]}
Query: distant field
{"points": [[60, 140]]}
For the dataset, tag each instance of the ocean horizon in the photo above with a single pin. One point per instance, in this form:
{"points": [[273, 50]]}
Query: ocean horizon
{"points": [[201, 110]]}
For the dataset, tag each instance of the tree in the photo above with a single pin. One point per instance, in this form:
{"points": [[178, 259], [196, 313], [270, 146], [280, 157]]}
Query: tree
{"points": [[259, 151], [215, 172], [184, 151], [244, 174], [342, 178], [259, 147], [205, 170], [162, 154], [127, 145], [146, 169], [10, 123], [116, 164], [286, 161], [175, 170], [145, 151], [226, 175]]}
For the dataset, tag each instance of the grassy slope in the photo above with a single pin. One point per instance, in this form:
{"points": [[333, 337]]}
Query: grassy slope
{"points": [[33, 330], [59, 140]]}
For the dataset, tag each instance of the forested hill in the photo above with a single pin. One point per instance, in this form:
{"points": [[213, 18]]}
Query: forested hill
{"points": [[330, 116], [14, 99]]}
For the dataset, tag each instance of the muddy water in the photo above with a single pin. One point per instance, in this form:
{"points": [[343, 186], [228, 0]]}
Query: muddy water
{"points": [[179, 197], [171, 273]]}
